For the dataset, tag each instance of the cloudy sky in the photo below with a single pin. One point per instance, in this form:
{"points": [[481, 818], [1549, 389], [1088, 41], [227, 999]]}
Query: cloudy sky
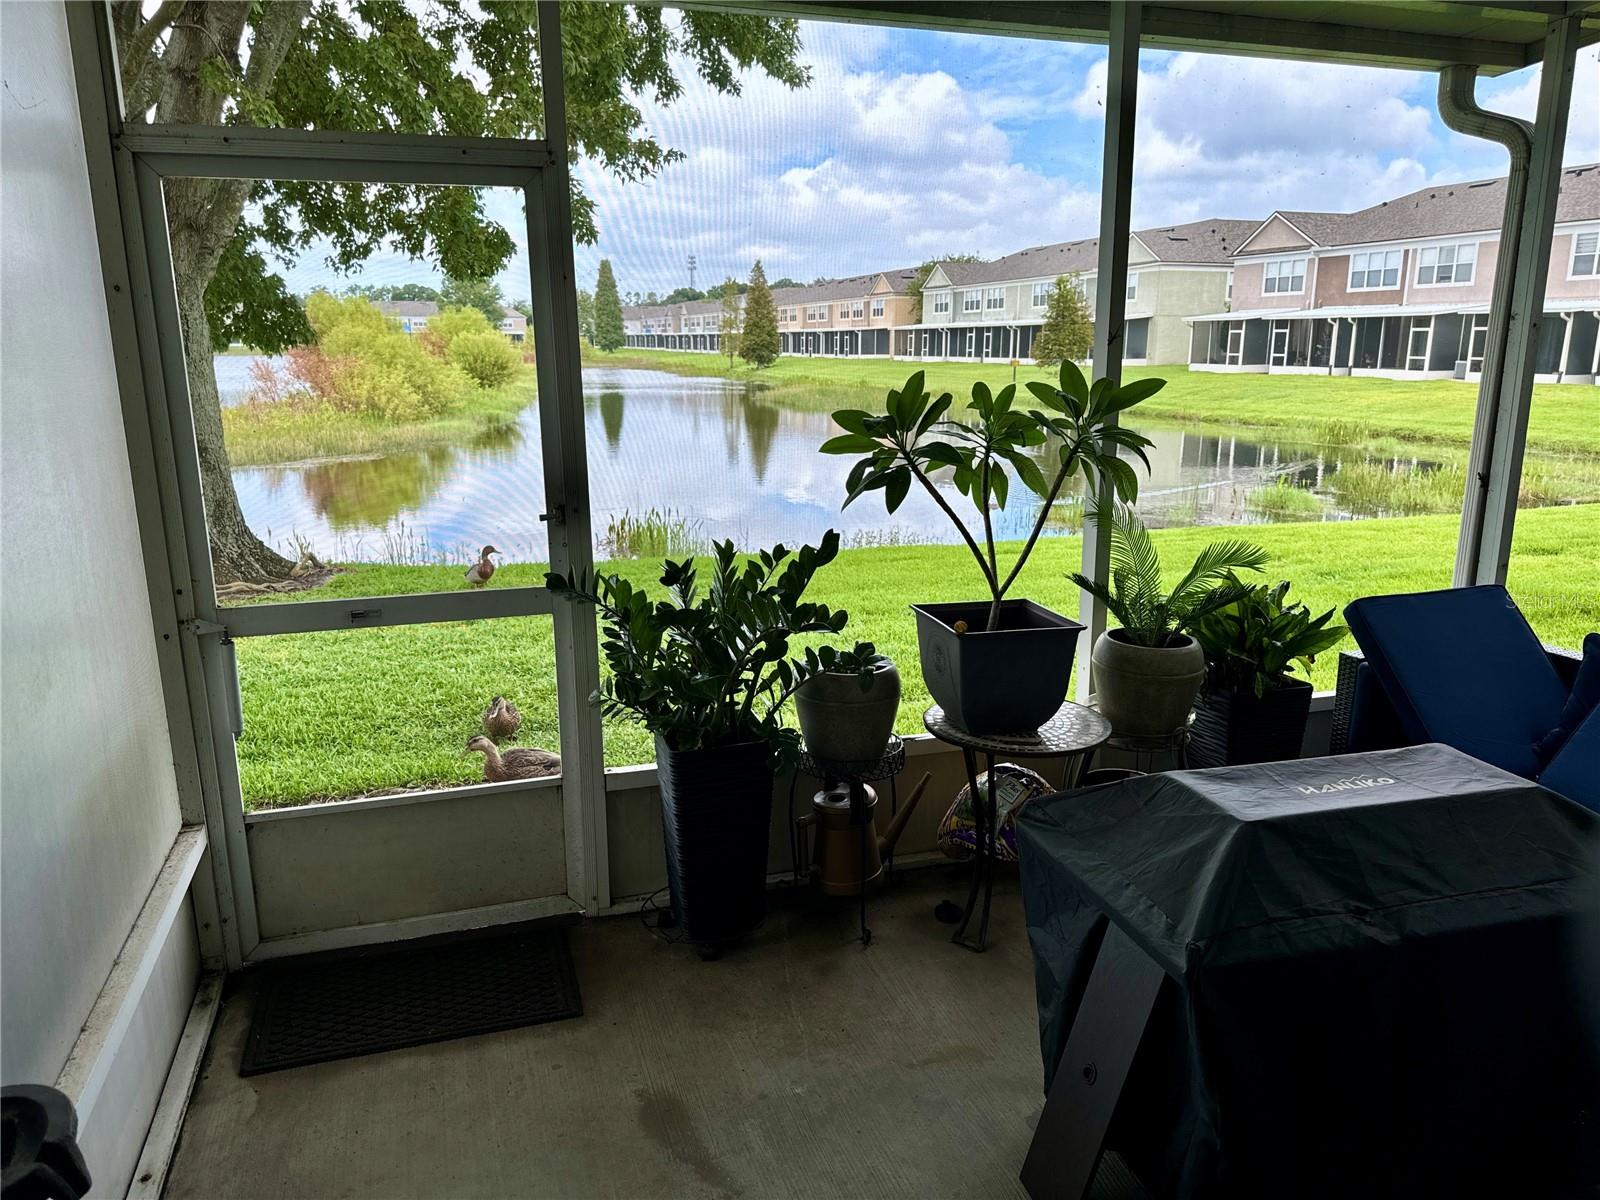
{"points": [[908, 145]]}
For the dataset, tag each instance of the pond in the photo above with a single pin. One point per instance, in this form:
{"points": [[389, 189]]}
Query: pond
{"points": [[717, 462]]}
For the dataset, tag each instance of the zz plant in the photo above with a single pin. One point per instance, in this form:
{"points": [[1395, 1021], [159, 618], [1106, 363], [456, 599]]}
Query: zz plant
{"points": [[915, 436], [703, 669], [1149, 614], [1254, 643]]}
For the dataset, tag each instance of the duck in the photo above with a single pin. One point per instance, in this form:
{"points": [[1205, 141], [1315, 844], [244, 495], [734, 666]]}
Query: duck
{"points": [[521, 762], [479, 572], [501, 720]]}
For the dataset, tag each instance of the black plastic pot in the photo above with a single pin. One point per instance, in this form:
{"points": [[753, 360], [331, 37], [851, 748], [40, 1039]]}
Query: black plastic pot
{"points": [[1233, 727], [1009, 681], [716, 810]]}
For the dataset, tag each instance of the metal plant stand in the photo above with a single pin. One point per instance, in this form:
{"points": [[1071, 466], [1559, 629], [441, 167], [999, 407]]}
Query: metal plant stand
{"points": [[889, 766], [1147, 748], [1073, 734]]}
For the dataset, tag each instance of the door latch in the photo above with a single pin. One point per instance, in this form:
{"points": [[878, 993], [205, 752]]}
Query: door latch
{"points": [[556, 516]]}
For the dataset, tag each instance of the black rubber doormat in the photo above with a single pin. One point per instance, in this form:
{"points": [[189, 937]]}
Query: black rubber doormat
{"points": [[367, 1001]]}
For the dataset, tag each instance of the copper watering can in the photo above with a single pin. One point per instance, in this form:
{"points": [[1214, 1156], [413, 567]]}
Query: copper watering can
{"points": [[847, 847]]}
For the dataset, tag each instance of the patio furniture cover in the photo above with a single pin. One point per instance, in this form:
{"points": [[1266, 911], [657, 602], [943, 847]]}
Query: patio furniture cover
{"points": [[1382, 975]]}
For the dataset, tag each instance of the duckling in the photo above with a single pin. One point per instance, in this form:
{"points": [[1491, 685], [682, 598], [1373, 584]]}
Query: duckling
{"points": [[501, 720], [479, 572], [521, 762]]}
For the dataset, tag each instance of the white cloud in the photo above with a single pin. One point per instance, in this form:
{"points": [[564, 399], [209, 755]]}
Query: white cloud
{"points": [[867, 168], [1517, 95]]}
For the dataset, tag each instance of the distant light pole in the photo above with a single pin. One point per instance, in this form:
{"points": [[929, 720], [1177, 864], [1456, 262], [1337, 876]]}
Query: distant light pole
{"points": [[691, 272]]}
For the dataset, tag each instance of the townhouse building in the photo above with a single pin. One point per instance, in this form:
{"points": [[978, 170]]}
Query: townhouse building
{"points": [[852, 317], [1402, 289], [994, 310]]}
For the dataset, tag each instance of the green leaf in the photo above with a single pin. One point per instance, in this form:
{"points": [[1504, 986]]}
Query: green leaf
{"points": [[1072, 381], [849, 443], [852, 419], [895, 491]]}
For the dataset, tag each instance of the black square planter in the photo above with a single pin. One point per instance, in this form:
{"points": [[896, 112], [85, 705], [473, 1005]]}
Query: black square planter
{"points": [[1011, 680]]}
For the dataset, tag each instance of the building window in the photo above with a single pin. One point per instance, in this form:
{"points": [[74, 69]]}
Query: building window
{"points": [[941, 302], [1284, 275], [1446, 264], [877, 308], [1586, 254], [1041, 295], [971, 301], [857, 310], [1375, 269], [1133, 287], [995, 298]]}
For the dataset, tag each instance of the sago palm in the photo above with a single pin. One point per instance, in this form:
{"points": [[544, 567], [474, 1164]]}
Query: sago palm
{"points": [[1149, 615]]}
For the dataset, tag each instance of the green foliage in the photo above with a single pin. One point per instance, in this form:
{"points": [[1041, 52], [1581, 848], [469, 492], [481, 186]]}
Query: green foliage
{"points": [[786, 282], [1255, 642], [914, 288], [911, 439], [480, 294], [450, 323], [730, 320], [372, 368], [683, 295], [433, 67], [586, 324], [393, 291], [488, 358], [1148, 614], [1282, 500], [1068, 329], [715, 669], [759, 345], [656, 533], [608, 331]]}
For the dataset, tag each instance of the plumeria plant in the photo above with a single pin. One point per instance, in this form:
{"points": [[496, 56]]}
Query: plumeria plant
{"points": [[916, 436]]}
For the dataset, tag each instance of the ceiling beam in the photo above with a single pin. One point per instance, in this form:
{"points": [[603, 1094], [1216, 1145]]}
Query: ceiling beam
{"points": [[1192, 26]]}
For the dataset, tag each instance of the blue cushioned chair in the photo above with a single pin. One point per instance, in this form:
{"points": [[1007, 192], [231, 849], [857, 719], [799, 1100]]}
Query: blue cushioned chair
{"points": [[1461, 666]]}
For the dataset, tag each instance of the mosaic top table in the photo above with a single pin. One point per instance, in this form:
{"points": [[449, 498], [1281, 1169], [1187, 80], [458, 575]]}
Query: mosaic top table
{"points": [[1074, 733]]}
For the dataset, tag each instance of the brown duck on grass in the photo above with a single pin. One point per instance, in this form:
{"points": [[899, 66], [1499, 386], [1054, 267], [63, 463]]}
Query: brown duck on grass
{"points": [[520, 762], [479, 572], [501, 720]]}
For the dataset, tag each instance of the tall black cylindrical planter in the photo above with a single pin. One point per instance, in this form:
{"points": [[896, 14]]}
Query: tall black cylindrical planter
{"points": [[716, 812], [1231, 727]]}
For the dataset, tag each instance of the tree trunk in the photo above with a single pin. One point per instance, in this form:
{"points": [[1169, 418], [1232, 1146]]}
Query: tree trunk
{"points": [[202, 217], [236, 552]]}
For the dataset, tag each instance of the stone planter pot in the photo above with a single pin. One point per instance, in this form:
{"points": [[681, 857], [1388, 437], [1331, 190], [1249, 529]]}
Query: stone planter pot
{"points": [[1011, 680], [845, 726], [1231, 728], [1147, 691]]}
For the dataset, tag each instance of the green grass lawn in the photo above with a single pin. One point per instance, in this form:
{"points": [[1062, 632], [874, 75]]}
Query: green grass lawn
{"points": [[1565, 417], [351, 712], [257, 435]]}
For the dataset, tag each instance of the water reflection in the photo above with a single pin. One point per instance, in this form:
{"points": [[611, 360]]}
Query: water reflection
{"points": [[713, 452]]}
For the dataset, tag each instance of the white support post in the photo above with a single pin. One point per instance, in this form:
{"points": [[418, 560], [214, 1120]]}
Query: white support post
{"points": [[1111, 296], [1501, 434], [559, 365]]}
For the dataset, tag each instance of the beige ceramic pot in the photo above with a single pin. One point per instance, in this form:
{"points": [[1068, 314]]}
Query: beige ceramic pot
{"points": [[1146, 691]]}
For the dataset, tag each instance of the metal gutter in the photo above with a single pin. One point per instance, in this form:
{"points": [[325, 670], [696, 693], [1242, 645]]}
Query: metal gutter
{"points": [[1458, 109]]}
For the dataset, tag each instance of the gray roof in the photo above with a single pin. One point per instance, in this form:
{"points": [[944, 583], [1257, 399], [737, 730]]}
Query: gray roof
{"points": [[1475, 206], [408, 308], [1213, 240], [845, 289]]}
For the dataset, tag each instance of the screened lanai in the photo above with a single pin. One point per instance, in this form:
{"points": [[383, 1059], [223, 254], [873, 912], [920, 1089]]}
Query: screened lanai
{"points": [[147, 897]]}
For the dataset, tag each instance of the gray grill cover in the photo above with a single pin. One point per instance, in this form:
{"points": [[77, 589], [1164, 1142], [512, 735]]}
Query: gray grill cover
{"points": [[1382, 975]]}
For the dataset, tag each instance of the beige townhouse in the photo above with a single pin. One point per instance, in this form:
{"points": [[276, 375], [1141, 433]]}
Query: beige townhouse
{"points": [[1402, 289]]}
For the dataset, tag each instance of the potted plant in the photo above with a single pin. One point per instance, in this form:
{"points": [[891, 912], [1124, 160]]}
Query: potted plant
{"points": [[1148, 672], [996, 665], [847, 714], [1252, 709], [709, 673]]}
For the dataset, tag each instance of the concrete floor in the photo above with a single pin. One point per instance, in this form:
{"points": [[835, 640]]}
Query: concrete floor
{"points": [[800, 1065]]}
